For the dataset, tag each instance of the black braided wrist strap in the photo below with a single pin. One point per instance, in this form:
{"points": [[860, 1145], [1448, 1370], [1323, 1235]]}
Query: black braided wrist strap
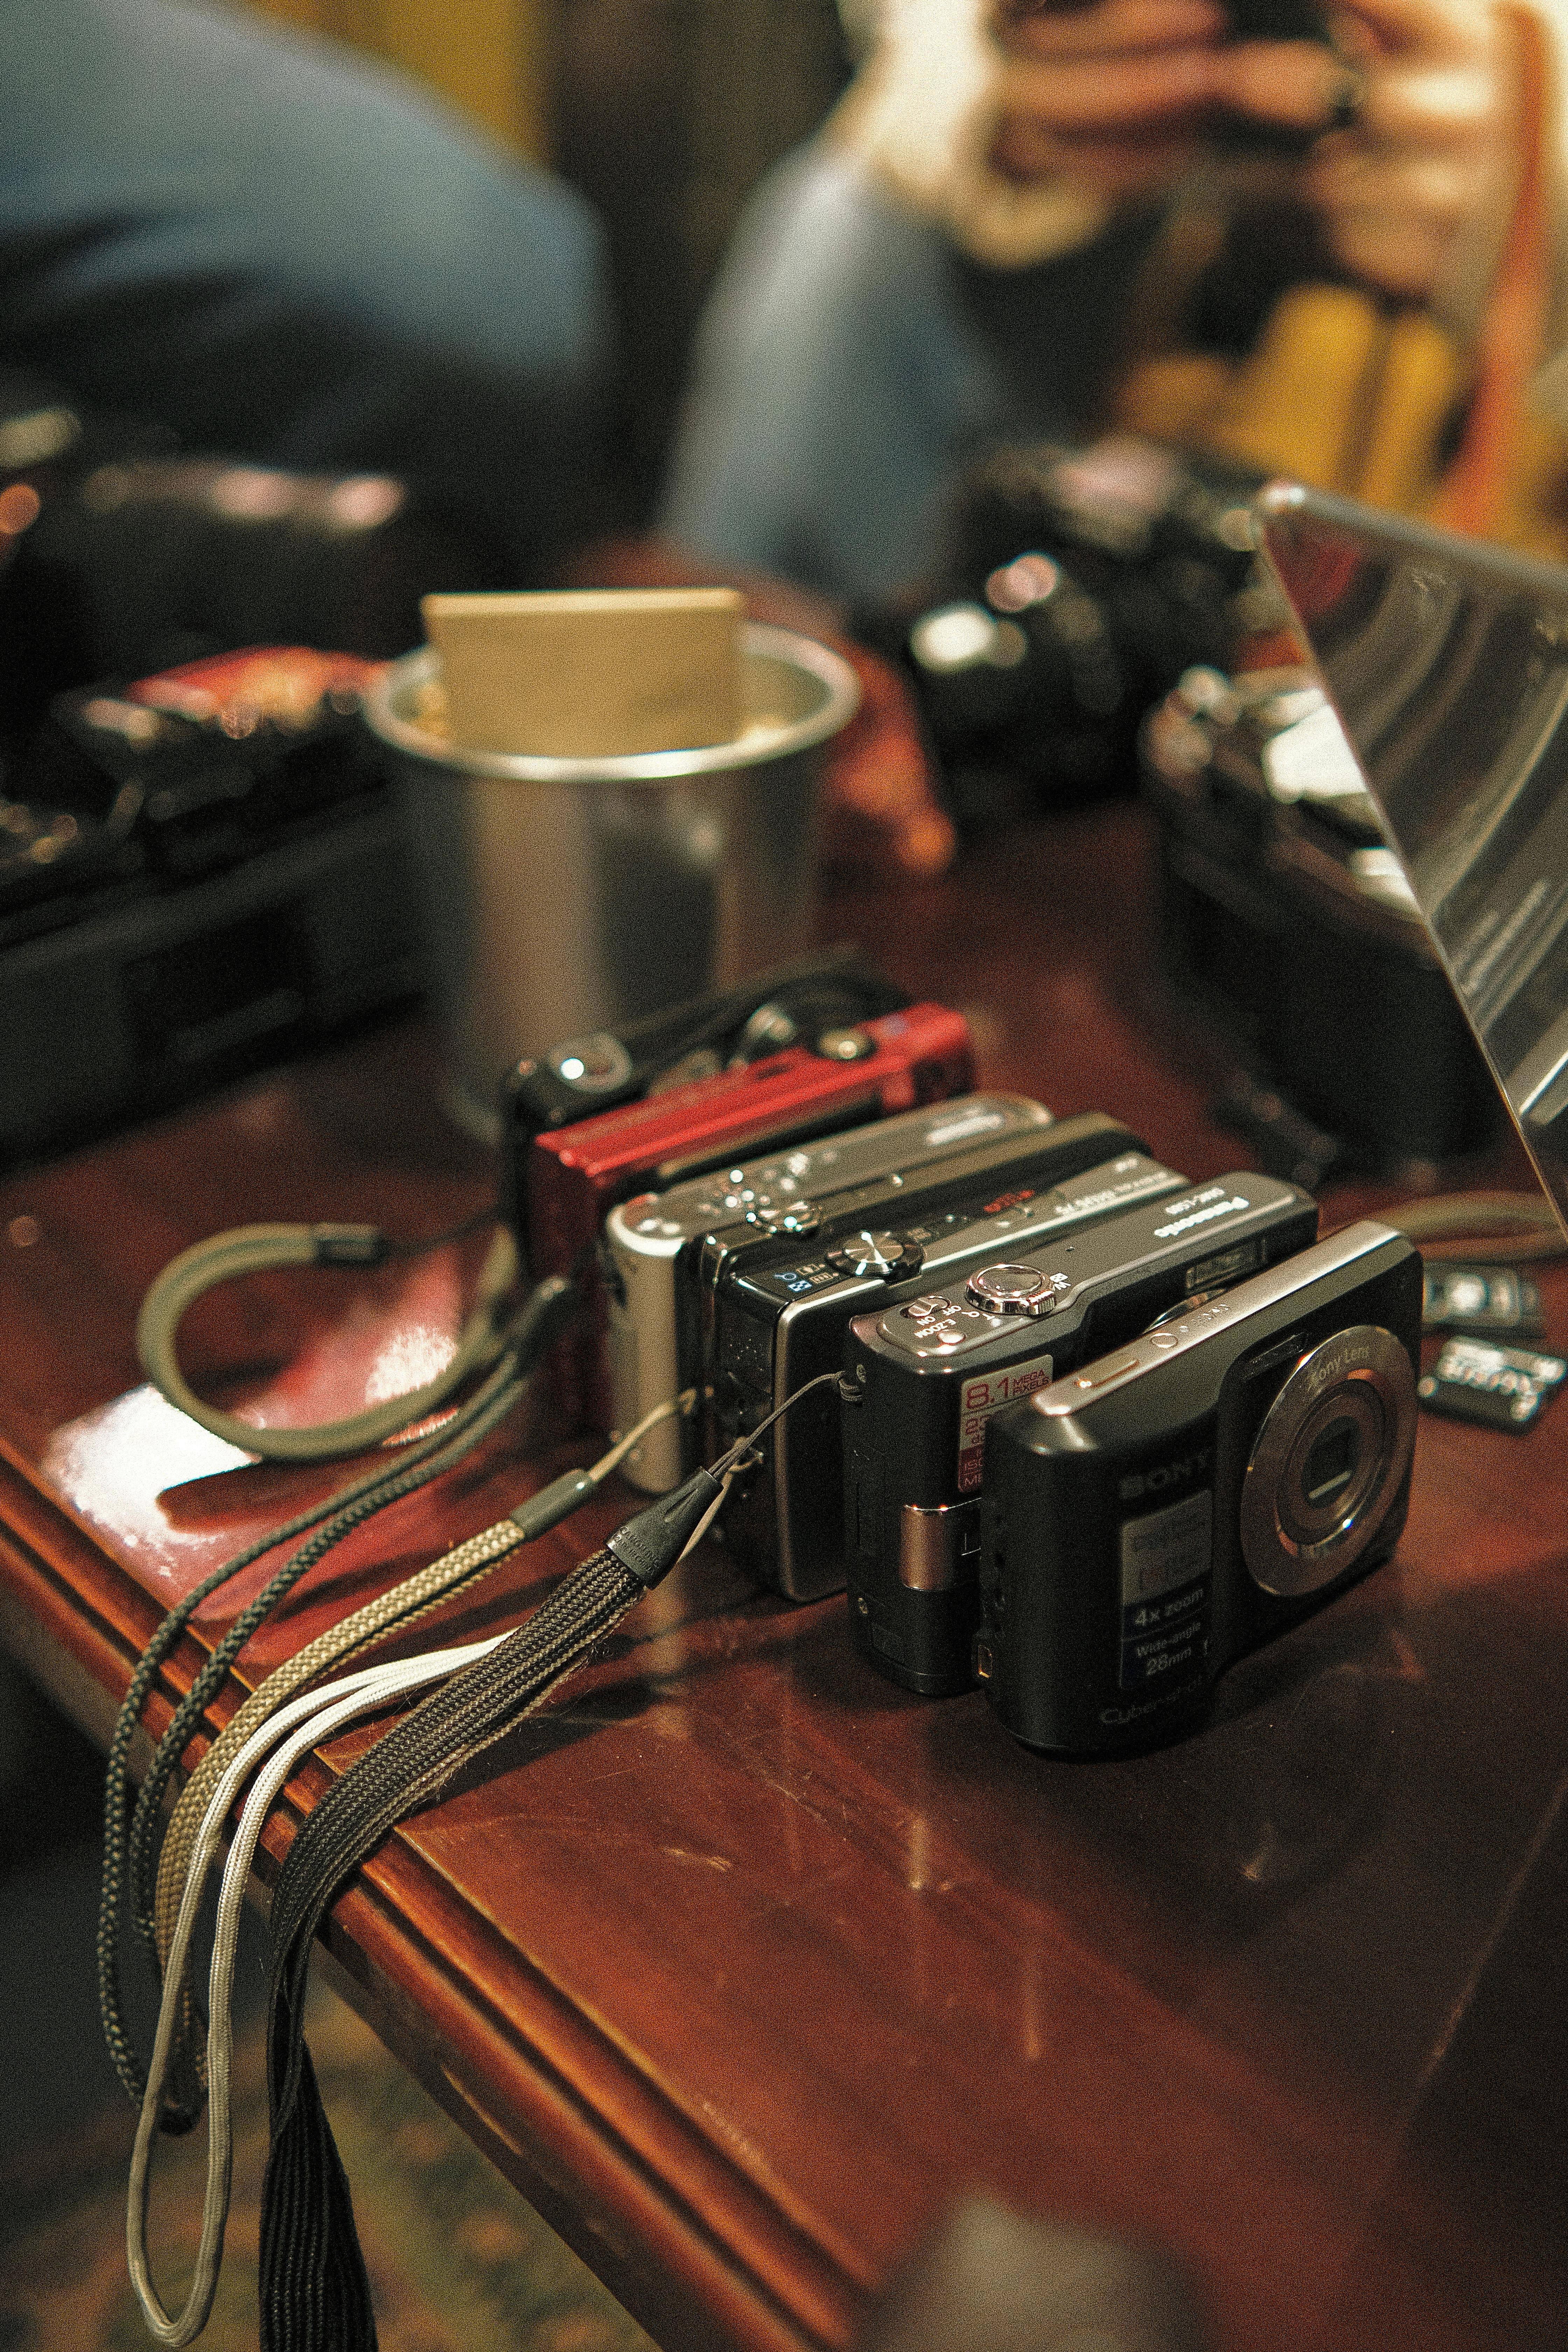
{"points": [[128, 1853], [315, 2294], [495, 1402], [129, 1857]]}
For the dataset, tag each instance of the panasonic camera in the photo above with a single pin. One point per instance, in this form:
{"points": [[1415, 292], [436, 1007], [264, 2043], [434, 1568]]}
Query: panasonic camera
{"points": [[656, 1333], [777, 1308], [573, 1176], [1190, 1495], [930, 1376]]}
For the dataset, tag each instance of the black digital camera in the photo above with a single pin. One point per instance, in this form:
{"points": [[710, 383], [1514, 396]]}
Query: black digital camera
{"points": [[1153, 1517], [931, 1375], [775, 1310]]}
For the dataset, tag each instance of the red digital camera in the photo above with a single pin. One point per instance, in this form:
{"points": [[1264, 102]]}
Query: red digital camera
{"points": [[574, 1175]]}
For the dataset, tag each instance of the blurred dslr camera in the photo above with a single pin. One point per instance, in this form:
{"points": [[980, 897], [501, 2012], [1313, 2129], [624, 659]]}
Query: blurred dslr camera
{"points": [[1075, 586], [120, 554], [1181, 1500]]}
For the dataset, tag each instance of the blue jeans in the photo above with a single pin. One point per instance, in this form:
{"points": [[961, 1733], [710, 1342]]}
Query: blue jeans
{"points": [[280, 251], [850, 361]]}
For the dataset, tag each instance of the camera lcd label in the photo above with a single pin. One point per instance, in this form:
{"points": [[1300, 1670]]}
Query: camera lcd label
{"points": [[979, 1398], [1165, 1562]]}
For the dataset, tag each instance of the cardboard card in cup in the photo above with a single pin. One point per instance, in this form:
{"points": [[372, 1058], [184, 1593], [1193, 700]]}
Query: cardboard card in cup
{"points": [[591, 672]]}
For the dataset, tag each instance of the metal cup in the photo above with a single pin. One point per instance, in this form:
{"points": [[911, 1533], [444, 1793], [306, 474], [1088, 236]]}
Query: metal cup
{"points": [[559, 896]]}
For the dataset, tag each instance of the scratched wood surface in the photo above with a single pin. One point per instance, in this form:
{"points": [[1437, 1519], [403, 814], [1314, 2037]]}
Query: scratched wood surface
{"points": [[743, 1963]]}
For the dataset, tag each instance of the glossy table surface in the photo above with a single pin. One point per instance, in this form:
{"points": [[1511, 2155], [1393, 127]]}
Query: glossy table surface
{"points": [[743, 1963]]}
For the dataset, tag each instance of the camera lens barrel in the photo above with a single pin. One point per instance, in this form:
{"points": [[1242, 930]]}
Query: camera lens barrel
{"points": [[1337, 1438]]}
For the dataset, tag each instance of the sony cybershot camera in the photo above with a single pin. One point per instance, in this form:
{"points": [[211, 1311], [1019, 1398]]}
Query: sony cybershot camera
{"points": [[574, 1175], [653, 1243], [933, 1373], [1148, 1519], [778, 1308], [583, 1078]]}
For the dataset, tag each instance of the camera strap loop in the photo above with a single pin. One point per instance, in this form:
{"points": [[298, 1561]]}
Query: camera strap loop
{"points": [[255, 1249]]}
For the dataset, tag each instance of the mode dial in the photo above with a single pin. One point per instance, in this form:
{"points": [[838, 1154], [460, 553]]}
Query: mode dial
{"points": [[864, 1254]]}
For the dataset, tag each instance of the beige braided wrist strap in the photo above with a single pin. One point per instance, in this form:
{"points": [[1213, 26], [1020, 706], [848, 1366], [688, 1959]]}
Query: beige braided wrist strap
{"points": [[414, 1598], [443, 1580]]}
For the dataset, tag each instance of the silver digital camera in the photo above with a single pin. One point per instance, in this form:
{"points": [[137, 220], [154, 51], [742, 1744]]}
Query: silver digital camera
{"points": [[652, 1244]]}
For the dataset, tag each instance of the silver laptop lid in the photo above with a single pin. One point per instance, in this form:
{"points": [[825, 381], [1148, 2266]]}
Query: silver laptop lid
{"points": [[1447, 661]]}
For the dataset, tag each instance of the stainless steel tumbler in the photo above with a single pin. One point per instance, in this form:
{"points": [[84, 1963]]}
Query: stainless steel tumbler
{"points": [[562, 896]]}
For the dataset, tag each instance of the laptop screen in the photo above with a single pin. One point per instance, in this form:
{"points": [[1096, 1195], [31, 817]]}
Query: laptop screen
{"points": [[1448, 663]]}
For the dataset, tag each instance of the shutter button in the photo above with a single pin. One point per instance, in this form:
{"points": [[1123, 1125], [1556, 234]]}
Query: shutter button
{"points": [[846, 1044], [1017, 1290]]}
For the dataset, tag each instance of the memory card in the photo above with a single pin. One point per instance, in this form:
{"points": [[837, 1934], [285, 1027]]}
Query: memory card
{"points": [[1464, 1295], [1502, 1388]]}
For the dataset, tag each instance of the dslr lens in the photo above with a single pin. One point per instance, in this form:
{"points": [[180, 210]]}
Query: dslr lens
{"points": [[1328, 1461]]}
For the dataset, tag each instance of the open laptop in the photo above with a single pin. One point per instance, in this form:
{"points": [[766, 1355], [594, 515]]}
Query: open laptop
{"points": [[1448, 663]]}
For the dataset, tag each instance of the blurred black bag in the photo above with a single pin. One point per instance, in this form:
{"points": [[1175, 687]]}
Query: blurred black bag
{"points": [[119, 555]]}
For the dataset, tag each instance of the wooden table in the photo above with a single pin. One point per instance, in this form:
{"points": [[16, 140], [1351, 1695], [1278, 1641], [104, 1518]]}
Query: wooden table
{"points": [[743, 1964]]}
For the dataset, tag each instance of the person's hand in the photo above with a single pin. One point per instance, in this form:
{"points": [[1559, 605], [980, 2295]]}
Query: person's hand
{"points": [[1421, 89], [1407, 116], [1116, 97]]}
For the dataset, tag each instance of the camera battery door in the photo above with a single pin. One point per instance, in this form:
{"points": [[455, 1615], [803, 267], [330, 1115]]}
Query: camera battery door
{"points": [[1172, 1505], [935, 1372], [653, 1245], [780, 1309]]}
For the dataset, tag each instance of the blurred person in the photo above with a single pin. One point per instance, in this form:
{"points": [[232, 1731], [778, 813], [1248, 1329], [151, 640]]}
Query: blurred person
{"points": [[282, 252], [232, 229], [987, 231]]}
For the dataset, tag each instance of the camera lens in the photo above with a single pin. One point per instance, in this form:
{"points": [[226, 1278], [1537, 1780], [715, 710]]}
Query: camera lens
{"points": [[1331, 1463], [1328, 1461]]}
